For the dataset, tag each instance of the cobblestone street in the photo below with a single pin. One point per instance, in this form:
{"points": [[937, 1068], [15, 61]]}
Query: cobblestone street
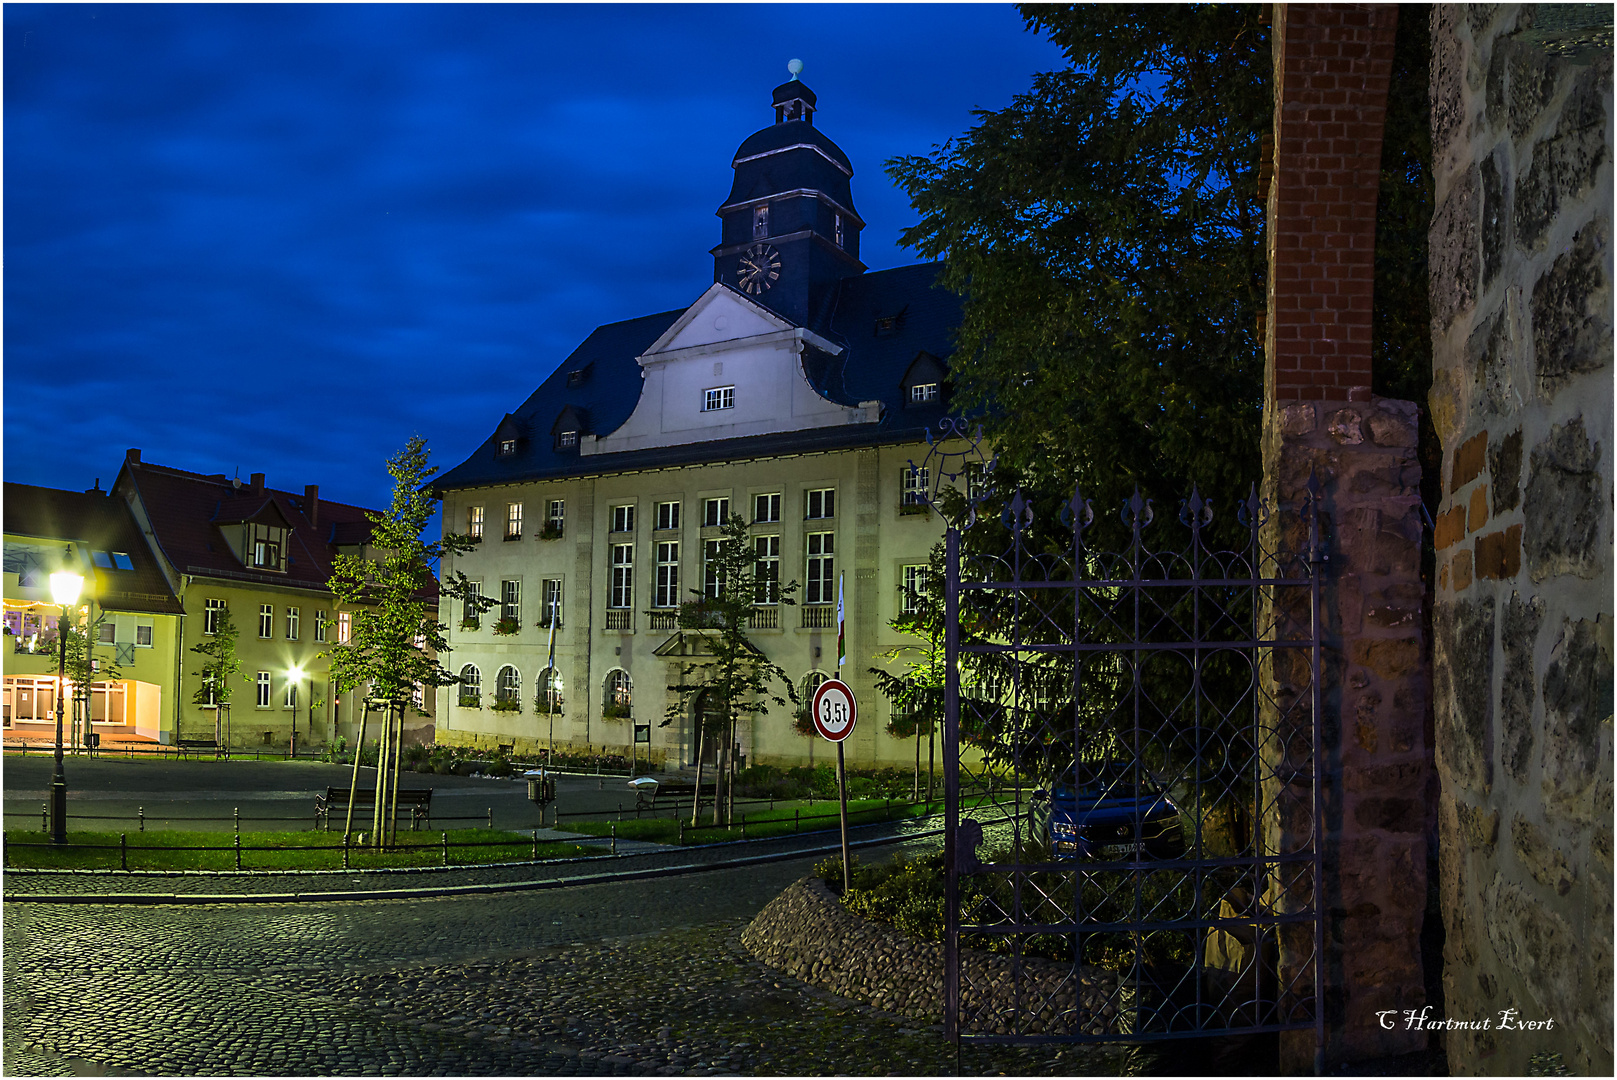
{"points": [[631, 978]]}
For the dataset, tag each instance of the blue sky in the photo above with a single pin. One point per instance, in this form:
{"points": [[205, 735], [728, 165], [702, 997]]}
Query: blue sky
{"points": [[281, 238]]}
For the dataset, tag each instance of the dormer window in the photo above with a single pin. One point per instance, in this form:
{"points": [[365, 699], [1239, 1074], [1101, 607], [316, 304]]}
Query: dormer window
{"points": [[760, 221], [508, 447], [580, 376], [887, 326], [923, 392], [567, 440], [264, 546], [267, 554]]}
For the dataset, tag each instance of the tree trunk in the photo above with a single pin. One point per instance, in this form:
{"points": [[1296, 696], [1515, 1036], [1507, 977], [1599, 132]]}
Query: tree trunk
{"points": [[397, 741], [696, 799], [353, 784], [915, 784], [378, 819], [931, 757], [718, 779]]}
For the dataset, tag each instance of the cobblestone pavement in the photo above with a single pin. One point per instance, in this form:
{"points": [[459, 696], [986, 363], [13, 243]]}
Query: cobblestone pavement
{"points": [[633, 978]]}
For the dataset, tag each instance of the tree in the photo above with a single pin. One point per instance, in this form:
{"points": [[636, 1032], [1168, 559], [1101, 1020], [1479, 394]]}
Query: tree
{"points": [[79, 654], [1106, 231], [916, 694], [724, 676], [218, 665], [394, 643]]}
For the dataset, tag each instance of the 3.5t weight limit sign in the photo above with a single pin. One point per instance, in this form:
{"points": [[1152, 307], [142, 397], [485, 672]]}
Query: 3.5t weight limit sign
{"points": [[834, 710]]}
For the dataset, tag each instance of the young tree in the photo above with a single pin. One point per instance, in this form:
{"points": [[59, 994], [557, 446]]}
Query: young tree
{"points": [[394, 644], [218, 665], [722, 667], [79, 655], [917, 692]]}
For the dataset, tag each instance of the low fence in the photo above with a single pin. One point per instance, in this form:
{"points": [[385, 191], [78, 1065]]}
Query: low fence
{"points": [[236, 816]]}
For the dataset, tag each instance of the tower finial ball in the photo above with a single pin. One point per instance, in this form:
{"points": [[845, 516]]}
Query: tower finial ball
{"points": [[795, 67]]}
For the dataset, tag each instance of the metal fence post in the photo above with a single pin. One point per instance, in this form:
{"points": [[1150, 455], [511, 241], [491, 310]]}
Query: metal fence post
{"points": [[238, 851], [345, 851], [44, 817], [123, 850], [797, 819], [236, 814], [536, 843], [446, 848], [141, 813], [682, 831], [614, 838], [491, 817]]}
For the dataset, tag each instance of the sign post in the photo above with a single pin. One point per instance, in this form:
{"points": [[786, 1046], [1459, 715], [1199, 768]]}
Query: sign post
{"points": [[834, 711]]}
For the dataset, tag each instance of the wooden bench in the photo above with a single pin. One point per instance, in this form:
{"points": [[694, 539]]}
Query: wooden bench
{"points": [[678, 793], [199, 745], [417, 800]]}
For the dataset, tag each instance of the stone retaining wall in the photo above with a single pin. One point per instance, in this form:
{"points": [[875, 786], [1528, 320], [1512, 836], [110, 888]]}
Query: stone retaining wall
{"points": [[808, 934]]}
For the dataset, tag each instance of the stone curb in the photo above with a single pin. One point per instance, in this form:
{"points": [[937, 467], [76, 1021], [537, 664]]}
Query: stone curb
{"points": [[447, 890]]}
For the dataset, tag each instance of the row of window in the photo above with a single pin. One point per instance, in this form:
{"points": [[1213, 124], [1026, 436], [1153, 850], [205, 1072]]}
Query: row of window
{"points": [[555, 521], [617, 689], [766, 508], [266, 622]]}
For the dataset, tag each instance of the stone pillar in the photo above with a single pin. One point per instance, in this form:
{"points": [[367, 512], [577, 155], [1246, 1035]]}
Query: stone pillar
{"points": [[1522, 400], [1332, 65]]}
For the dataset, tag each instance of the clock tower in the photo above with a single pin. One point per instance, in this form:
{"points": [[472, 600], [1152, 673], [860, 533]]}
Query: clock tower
{"points": [[789, 231]]}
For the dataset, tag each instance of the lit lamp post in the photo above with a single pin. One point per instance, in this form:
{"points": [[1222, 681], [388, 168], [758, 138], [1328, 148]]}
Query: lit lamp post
{"points": [[65, 586], [296, 675]]}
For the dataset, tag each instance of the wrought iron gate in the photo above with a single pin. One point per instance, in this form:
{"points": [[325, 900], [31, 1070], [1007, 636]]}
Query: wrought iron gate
{"points": [[1132, 766]]}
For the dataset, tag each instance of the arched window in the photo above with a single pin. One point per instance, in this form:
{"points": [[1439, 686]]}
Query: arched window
{"points": [[508, 686], [811, 683], [547, 695], [619, 695], [803, 721], [471, 686]]}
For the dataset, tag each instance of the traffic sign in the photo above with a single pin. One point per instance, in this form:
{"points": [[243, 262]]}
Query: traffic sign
{"points": [[834, 710]]}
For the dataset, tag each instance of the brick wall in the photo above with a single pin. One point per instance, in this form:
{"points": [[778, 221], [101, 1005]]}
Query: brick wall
{"points": [[1332, 66]]}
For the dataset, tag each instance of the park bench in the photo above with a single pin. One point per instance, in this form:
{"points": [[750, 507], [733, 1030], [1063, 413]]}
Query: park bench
{"points": [[675, 793], [417, 800], [198, 746]]}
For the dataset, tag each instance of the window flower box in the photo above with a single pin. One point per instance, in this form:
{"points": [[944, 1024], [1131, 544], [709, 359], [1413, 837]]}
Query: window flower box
{"points": [[541, 706], [471, 701], [471, 624], [507, 627], [615, 711], [551, 532], [506, 707], [914, 510]]}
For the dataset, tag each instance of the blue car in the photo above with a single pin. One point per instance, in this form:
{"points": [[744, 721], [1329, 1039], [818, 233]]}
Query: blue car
{"points": [[1106, 816]]}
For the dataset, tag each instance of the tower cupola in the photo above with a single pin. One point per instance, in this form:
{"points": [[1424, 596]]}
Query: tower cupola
{"points": [[789, 230]]}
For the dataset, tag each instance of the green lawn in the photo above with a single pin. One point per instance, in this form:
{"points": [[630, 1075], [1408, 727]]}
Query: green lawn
{"points": [[173, 850], [783, 820]]}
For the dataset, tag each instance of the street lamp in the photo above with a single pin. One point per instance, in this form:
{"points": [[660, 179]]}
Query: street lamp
{"points": [[296, 675], [65, 586]]}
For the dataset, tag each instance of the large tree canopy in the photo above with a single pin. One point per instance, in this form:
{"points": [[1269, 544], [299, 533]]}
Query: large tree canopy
{"points": [[1106, 232]]}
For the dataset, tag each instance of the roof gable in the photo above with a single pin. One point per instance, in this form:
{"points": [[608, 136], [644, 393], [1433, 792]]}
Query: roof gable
{"points": [[720, 315]]}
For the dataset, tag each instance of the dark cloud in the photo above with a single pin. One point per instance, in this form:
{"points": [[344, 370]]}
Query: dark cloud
{"points": [[282, 238]]}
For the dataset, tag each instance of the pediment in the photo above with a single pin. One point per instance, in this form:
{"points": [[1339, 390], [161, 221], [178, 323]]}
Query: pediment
{"points": [[719, 315]]}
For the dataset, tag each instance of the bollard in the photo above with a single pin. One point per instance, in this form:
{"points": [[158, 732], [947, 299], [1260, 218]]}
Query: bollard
{"points": [[682, 831], [614, 838], [123, 850], [796, 816], [237, 813], [491, 817], [345, 851], [142, 812], [620, 811], [238, 851], [446, 848], [44, 817], [536, 844]]}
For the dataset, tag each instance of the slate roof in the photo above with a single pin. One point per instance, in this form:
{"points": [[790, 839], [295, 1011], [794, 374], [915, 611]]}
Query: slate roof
{"points": [[96, 521], [187, 510], [793, 169], [870, 368]]}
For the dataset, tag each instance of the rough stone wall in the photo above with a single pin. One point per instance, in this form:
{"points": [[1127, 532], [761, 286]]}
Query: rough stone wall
{"points": [[1522, 401], [1375, 688]]}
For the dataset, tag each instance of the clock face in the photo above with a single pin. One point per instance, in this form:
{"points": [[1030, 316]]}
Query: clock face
{"points": [[758, 269]]}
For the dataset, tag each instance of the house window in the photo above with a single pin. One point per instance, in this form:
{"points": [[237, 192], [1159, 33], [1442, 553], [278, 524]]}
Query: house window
{"points": [[715, 513], [766, 569], [765, 508], [712, 574], [320, 625], [474, 521], [811, 683], [418, 697], [821, 503], [291, 694], [760, 221], [266, 620], [471, 609], [915, 485], [547, 691], [619, 692], [112, 560], [666, 594], [106, 633], [821, 588], [210, 615], [511, 599], [143, 635], [263, 690], [558, 515], [508, 447], [345, 627], [914, 588], [668, 515], [976, 480], [508, 685], [552, 610], [840, 237], [567, 440], [513, 521], [720, 397], [922, 392], [267, 553], [210, 687], [622, 593], [471, 684], [291, 624], [623, 518]]}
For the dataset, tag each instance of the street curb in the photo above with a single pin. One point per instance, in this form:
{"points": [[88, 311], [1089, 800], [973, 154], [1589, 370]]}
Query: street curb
{"points": [[448, 890]]}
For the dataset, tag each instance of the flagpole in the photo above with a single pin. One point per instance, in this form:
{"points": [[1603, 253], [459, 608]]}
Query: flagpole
{"points": [[550, 683]]}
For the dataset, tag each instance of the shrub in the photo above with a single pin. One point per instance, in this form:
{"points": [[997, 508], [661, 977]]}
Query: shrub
{"points": [[507, 627], [416, 758], [499, 765], [506, 707], [471, 701]]}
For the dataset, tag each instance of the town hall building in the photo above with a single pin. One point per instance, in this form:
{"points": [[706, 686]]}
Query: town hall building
{"points": [[795, 392]]}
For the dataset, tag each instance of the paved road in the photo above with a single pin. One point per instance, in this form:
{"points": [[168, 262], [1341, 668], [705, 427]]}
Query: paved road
{"points": [[623, 979]]}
